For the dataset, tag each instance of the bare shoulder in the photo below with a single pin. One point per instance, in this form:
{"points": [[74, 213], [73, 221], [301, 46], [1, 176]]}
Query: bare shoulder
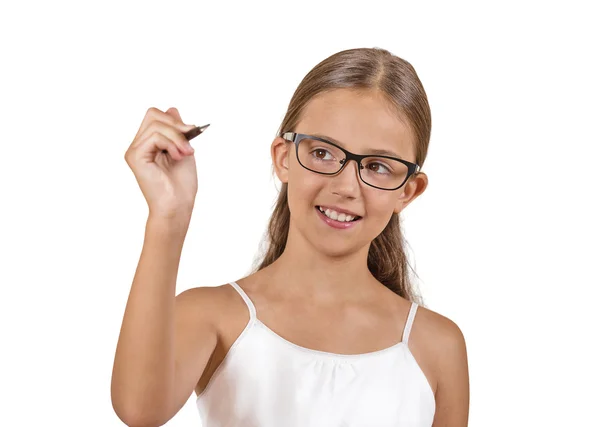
{"points": [[206, 303], [444, 332], [448, 357]]}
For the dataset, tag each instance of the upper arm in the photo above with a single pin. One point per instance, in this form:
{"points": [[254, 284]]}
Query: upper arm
{"points": [[452, 394], [195, 340]]}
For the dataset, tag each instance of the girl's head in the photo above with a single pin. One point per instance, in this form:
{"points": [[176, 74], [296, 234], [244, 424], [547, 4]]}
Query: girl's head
{"points": [[368, 102]]}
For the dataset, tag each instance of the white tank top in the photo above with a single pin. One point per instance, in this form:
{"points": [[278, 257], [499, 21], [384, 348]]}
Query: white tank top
{"points": [[268, 381]]}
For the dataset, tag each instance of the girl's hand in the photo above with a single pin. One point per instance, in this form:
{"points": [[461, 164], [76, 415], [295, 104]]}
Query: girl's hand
{"points": [[169, 181]]}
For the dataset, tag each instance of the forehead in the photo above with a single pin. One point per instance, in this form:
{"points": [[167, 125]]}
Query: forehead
{"points": [[359, 120]]}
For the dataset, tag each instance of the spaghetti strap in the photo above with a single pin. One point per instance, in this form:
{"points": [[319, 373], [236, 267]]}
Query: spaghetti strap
{"points": [[409, 322], [247, 299]]}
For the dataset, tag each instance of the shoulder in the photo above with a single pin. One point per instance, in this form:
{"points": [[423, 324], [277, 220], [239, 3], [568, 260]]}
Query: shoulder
{"points": [[205, 302], [445, 339], [215, 305], [448, 350], [204, 295], [445, 333]]}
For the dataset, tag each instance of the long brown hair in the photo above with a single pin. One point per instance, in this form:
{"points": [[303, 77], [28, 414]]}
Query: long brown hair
{"points": [[371, 69]]}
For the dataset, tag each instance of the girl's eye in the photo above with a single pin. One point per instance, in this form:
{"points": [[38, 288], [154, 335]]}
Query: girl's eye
{"points": [[384, 169], [321, 153]]}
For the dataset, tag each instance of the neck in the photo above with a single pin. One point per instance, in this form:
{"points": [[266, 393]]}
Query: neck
{"points": [[304, 273]]}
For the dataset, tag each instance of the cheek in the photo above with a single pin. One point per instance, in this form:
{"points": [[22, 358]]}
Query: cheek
{"points": [[303, 189], [379, 208], [380, 205]]}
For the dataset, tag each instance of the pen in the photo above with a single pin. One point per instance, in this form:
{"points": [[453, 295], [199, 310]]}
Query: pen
{"points": [[193, 133]]}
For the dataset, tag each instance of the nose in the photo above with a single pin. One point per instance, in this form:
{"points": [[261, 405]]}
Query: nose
{"points": [[347, 181]]}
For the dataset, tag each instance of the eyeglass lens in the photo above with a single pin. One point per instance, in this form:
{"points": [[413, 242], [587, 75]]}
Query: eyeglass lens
{"points": [[322, 157]]}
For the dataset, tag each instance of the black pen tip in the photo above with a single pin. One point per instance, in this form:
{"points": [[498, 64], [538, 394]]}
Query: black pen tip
{"points": [[192, 133]]}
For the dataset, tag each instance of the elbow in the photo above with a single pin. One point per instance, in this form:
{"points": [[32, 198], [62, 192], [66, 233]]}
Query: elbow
{"points": [[133, 418], [135, 414]]}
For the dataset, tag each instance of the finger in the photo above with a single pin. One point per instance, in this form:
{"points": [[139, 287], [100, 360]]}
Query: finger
{"points": [[154, 114], [168, 131], [151, 114], [174, 113], [157, 142]]}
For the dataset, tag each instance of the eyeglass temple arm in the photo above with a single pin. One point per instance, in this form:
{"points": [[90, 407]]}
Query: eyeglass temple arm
{"points": [[288, 135]]}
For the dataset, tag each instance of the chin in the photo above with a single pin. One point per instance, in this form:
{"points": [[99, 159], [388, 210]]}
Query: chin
{"points": [[335, 248]]}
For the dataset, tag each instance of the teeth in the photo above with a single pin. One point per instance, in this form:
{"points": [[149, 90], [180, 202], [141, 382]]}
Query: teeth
{"points": [[337, 216]]}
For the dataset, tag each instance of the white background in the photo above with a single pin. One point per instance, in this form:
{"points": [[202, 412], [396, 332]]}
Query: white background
{"points": [[504, 239]]}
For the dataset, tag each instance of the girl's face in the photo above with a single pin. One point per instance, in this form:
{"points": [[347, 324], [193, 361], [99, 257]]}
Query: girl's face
{"points": [[359, 121]]}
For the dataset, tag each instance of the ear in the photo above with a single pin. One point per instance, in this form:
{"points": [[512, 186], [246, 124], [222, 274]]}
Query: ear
{"points": [[415, 185], [280, 151]]}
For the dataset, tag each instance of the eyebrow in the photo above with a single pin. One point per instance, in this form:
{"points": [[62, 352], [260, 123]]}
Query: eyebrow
{"points": [[374, 151]]}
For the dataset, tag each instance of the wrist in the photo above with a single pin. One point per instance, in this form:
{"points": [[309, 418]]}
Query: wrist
{"points": [[171, 223]]}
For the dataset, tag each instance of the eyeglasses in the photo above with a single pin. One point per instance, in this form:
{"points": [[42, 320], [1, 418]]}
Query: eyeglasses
{"points": [[324, 157]]}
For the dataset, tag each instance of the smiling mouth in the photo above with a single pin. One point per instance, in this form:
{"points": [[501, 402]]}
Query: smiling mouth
{"points": [[323, 212]]}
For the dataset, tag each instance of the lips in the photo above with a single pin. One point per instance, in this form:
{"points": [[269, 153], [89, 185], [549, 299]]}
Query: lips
{"points": [[339, 210], [340, 225], [357, 217]]}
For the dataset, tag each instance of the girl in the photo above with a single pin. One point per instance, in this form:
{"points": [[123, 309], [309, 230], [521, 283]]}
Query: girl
{"points": [[327, 330]]}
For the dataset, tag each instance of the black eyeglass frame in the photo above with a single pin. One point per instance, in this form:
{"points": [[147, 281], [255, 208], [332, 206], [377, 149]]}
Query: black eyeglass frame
{"points": [[296, 137]]}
